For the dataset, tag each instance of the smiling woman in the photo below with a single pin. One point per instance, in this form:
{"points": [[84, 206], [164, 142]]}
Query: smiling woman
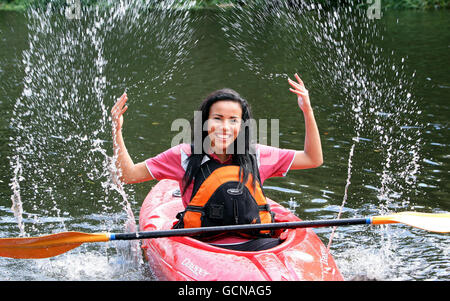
{"points": [[221, 173], [224, 122], [224, 138]]}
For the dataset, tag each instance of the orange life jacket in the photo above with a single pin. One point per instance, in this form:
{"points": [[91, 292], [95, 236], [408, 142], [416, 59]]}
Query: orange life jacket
{"points": [[217, 201]]}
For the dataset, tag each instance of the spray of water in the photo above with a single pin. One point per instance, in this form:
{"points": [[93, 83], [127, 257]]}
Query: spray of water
{"points": [[73, 74], [371, 89]]}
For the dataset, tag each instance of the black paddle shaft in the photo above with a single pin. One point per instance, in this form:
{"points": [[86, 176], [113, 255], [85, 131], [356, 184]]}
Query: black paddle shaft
{"points": [[240, 228]]}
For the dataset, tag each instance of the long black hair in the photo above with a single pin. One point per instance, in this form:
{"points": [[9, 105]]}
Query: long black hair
{"points": [[242, 150]]}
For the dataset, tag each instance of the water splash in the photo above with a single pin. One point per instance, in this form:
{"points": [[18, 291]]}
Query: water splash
{"points": [[351, 66], [372, 263], [15, 198], [73, 73], [344, 201]]}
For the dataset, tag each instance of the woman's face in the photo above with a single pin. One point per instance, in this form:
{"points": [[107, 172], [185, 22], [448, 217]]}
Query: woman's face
{"points": [[224, 123]]}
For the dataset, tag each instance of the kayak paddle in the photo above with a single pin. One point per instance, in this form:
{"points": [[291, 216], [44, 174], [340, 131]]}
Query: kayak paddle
{"points": [[56, 244]]}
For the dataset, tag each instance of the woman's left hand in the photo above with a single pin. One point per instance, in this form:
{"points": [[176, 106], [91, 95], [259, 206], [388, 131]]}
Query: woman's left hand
{"points": [[302, 93], [311, 156]]}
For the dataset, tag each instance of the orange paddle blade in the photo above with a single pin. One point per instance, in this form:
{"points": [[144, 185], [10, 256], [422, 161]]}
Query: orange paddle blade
{"points": [[47, 245], [434, 222]]}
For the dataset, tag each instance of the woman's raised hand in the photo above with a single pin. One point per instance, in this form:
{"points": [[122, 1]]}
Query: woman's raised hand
{"points": [[117, 111], [303, 96]]}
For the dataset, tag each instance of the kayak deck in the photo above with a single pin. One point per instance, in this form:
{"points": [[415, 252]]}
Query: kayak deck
{"points": [[301, 256]]}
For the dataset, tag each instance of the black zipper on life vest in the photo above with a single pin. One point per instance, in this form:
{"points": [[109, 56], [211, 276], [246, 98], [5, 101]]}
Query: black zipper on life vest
{"points": [[235, 211]]}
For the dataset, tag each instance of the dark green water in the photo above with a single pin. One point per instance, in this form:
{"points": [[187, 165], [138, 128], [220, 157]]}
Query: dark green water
{"points": [[379, 87]]}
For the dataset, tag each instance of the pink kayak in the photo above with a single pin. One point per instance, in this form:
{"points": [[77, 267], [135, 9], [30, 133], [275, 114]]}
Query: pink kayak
{"points": [[301, 255]]}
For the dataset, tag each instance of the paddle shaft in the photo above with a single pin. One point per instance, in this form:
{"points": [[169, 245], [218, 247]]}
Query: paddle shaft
{"points": [[233, 228], [55, 244]]}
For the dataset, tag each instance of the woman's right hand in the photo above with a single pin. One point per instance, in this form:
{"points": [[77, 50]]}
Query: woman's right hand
{"points": [[117, 111]]}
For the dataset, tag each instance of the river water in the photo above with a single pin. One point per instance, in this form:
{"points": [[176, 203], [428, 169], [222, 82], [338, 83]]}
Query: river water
{"points": [[379, 89]]}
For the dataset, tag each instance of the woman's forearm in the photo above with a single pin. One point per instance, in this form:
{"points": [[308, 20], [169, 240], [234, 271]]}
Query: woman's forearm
{"points": [[311, 156], [313, 146], [123, 161], [128, 172]]}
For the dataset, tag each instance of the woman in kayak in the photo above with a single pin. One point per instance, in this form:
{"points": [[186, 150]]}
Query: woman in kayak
{"points": [[223, 142]]}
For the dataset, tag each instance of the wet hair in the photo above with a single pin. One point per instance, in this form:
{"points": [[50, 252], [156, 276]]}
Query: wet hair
{"points": [[242, 150]]}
